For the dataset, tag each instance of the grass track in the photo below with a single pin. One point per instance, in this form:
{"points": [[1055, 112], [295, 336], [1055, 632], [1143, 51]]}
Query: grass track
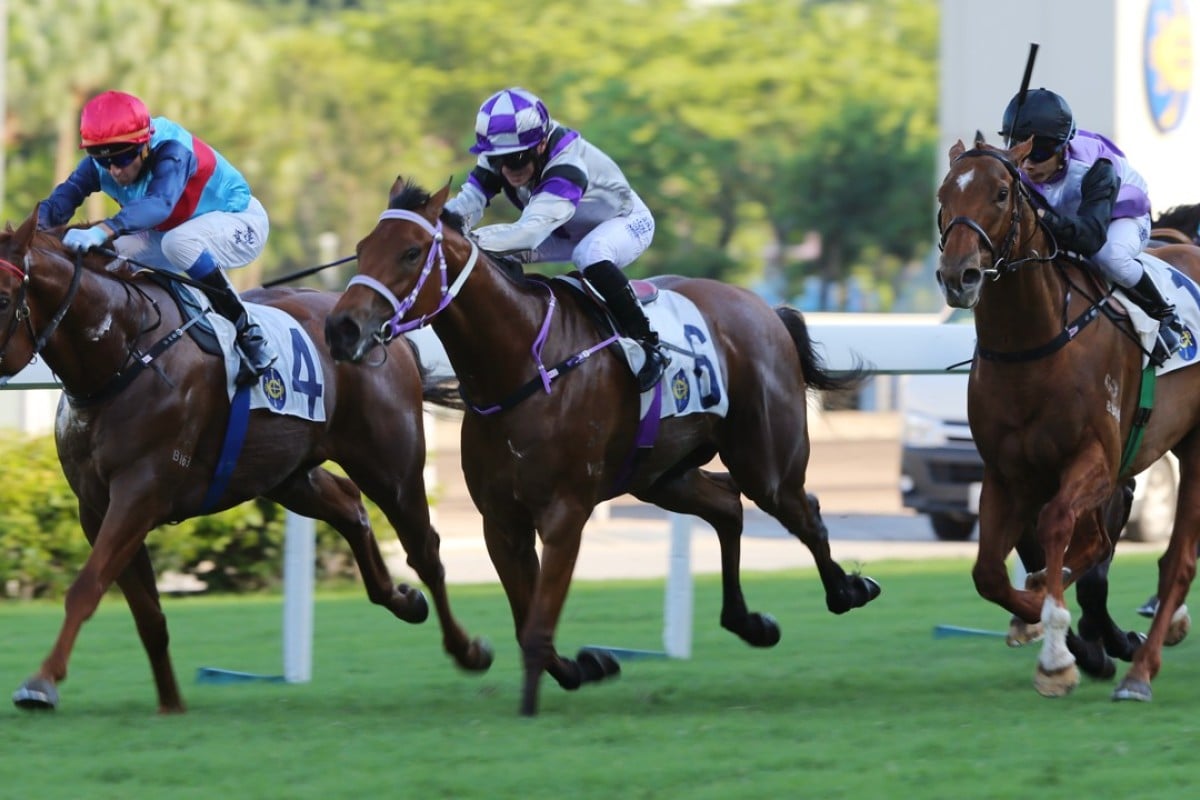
{"points": [[865, 705]]}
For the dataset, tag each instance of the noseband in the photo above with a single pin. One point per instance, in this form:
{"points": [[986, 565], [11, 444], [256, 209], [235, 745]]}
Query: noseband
{"points": [[21, 312], [394, 326], [1001, 257]]}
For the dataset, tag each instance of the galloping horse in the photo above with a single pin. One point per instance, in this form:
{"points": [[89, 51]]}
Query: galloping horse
{"points": [[139, 447], [1054, 397], [541, 464]]}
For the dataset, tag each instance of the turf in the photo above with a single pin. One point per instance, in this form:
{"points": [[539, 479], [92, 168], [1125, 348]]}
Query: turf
{"points": [[865, 705]]}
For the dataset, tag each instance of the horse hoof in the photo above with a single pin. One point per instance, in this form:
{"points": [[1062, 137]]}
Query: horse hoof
{"points": [[1021, 633], [36, 694], [414, 607], [872, 586], [1056, 683], [482, 652], [1177, 631], [1130, 689], [762, 631], [597, 665]]}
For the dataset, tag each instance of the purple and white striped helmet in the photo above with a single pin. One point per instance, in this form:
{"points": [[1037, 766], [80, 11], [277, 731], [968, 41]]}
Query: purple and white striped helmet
{"points": [[509, 121]]}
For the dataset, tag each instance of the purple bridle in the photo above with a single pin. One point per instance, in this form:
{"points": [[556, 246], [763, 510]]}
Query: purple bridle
{"points": [[394, 326]]}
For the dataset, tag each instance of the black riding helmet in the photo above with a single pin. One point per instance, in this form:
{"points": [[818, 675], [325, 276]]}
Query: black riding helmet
{"points": [[1044, 115]]}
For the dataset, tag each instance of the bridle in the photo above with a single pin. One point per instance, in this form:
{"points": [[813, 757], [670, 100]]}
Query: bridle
{"points": [[394, 326], [1002, 261], [21, 311]]}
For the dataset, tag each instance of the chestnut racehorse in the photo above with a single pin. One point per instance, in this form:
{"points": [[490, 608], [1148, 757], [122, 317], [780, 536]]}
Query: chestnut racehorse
{"points": [[539, 466], [139, 448], [1053, 399]]}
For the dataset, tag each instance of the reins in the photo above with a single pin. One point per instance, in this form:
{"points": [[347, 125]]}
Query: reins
{"points": [[22, 311]]}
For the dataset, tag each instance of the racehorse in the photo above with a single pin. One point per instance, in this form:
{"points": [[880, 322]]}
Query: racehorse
{"points": [[139, 447], [1054, 396], [1177, 225], [540, 464]]}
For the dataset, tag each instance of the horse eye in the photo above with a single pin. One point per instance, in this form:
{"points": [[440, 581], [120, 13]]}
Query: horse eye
{"points": [[412, 253], [1003, 194], [5, 302]]}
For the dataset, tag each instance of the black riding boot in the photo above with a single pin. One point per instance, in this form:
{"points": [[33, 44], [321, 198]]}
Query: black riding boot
{"points": [[613, 286], [1146, 294], [257, 353]]}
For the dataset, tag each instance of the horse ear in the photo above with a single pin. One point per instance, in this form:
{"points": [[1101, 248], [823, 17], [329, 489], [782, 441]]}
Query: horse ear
{"points": [[1020, 151], [980, 141], [438, 201], [397, 187], [957, 149], [23, 238]]}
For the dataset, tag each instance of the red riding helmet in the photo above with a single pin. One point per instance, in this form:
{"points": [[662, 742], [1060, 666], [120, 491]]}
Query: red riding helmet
{"points": [[114, 118]]}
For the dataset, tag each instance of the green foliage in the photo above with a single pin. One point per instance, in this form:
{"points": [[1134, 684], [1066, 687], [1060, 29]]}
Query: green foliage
{"points": [[42, 546], [815, 116]]}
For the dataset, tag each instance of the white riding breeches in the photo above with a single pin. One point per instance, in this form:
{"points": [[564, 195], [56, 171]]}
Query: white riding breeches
{"points": [[619, 240], [233, 239], [1117, 259]]}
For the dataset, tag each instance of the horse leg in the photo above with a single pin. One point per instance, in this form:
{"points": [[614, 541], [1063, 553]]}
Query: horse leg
{"points": [[716, 499], [1004, 524], [1029, 551], [561, 527], [770, 470], [1070, 521], [1177, 569], [140, 588], [115, 538], [1091, 592], [322, 495]]}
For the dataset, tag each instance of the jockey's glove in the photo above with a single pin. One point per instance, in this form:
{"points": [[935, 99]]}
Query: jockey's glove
{"points": [[80, 240]]}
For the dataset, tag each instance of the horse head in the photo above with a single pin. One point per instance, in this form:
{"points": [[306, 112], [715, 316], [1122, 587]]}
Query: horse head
{"points": [[395, 289], [981, 210]]}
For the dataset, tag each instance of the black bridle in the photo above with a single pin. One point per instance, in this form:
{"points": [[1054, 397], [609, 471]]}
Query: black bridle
{"points": [[1003, 263], [21, 313], [1022, 195]]}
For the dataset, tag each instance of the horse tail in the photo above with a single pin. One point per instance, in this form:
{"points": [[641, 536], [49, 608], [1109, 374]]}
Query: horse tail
{"points": [[435, 389], [815, 373]]}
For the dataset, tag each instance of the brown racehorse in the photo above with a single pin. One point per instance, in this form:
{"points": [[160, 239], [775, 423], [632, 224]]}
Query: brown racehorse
{"points": [[1052, 400], [539, 467], [143, 455]]}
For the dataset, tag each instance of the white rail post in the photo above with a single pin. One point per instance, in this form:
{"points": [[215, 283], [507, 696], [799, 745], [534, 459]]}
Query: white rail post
{"points": [[299, 553]]}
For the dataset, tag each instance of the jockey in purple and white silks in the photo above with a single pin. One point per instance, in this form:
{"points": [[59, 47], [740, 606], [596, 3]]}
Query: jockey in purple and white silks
{"points": [[182, 207], [1097, 202], [575, 204]]}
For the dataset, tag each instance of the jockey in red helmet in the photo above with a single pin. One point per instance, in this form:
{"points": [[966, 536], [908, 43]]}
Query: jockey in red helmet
{"points": [[183, 207]]}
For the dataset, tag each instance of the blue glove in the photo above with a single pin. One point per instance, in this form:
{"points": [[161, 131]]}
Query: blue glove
{"points": [[80, 240]]}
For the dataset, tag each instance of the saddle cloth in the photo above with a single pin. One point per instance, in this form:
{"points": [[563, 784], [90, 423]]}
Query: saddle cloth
{"points": [[1179, 290], [693, 379], [295, 383]]}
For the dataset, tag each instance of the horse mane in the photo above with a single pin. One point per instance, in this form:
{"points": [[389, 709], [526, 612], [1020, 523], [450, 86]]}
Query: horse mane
{"points": [[1184, 218], [413, 197]]}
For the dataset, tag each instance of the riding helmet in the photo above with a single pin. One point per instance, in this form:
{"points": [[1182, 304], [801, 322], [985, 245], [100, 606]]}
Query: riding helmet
{"points": [[509, 121], [114, 118], [1044, 114]]}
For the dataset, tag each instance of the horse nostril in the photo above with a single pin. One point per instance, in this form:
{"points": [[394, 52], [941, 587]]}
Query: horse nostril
{"points": [[972, 278]]}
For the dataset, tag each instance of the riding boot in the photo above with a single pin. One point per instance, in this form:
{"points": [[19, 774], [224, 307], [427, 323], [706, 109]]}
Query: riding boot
{"points": [[257, 353], [613, 286], [1146, 294]]}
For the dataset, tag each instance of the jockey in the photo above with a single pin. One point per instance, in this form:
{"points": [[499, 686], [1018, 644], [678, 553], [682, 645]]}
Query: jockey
{"points": [[183, 207], [1097, 203], [575, 204]]}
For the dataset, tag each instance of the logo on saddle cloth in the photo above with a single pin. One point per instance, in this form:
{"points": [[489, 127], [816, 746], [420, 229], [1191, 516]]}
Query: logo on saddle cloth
{"points": [[295, 383], [694, 381]]}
